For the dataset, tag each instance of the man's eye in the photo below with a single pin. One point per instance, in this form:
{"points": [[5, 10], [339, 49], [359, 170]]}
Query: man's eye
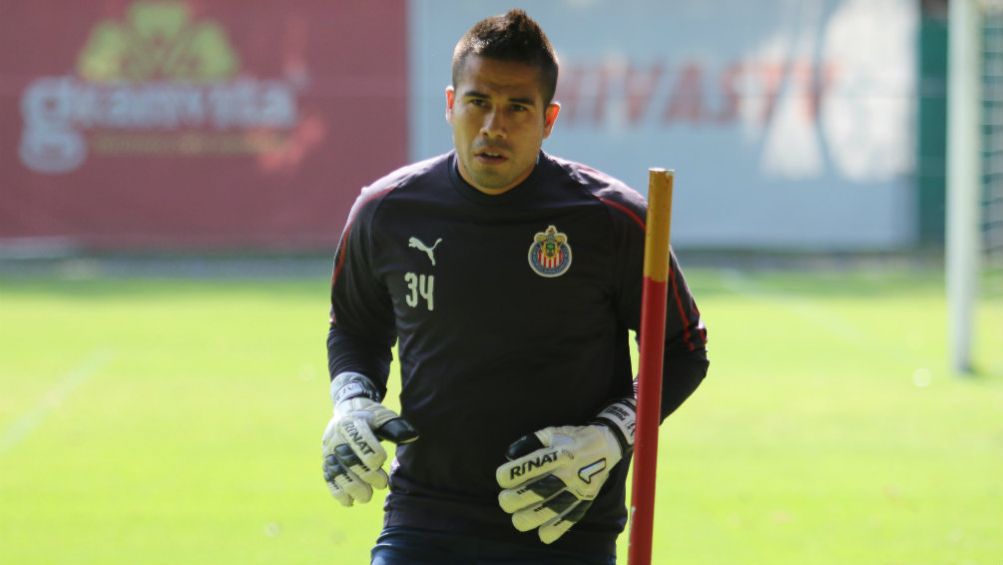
{"points": [[478, 102], [519, 108]]}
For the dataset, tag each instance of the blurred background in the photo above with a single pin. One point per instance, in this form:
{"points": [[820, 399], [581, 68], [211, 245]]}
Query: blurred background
{"points": [[816, 126], [175, 174]]}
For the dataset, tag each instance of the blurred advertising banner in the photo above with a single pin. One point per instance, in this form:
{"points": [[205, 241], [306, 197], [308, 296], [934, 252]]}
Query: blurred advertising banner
{"points": [[172, 124], [789, 124]]}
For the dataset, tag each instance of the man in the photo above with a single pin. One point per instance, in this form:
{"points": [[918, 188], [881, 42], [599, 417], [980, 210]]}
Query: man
{"points": [[510, 279]]}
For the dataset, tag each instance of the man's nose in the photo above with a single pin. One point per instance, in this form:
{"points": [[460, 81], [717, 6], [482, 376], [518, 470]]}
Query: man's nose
{"points": [[494, 124]]}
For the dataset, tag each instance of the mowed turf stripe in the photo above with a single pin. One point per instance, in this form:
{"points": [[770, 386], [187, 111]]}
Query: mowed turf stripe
{"points": [[54, 398]]}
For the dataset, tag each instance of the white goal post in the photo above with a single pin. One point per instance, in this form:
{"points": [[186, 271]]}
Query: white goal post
{"points": [[964, 175], [974, 223]]}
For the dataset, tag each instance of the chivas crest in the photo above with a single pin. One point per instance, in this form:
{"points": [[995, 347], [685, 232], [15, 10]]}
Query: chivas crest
{"points": [[550, 254]]}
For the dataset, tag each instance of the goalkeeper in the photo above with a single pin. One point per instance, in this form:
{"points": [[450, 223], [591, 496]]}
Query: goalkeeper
{"points": [[509, 279]]}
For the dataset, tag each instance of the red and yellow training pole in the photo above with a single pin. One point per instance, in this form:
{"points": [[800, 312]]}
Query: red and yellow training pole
{"points": [[651, 352]]}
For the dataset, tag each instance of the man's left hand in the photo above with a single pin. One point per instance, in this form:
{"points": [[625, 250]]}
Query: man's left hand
{"points": [[553, 475]]}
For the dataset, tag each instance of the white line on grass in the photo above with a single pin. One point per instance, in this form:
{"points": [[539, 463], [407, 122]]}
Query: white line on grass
{"points": [[833, 323], [826, 320], [27, 423]]}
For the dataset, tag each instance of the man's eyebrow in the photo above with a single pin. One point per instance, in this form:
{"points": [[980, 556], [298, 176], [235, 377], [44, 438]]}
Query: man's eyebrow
{"points": [[528, 101]]}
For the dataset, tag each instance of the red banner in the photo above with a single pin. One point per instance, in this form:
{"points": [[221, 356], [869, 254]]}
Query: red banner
{"points": [[159, 124]]}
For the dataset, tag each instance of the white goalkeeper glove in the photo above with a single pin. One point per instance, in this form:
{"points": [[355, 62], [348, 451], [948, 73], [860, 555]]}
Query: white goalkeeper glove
{"points": [[353, 456], [554, 474]]}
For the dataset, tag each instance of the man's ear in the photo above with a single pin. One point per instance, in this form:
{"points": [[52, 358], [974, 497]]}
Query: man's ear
{"points": [[550, 117], [450, 101]]}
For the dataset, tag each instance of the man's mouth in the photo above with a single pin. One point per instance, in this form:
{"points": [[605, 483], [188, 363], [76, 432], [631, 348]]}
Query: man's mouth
{"points": [[490, 157]]}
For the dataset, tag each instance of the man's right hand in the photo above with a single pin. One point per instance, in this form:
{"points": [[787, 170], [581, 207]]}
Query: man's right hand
{"points": [[353, 456]]}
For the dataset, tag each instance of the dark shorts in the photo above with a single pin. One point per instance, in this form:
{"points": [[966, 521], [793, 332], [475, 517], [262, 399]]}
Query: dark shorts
{"points": [[410, 546]]}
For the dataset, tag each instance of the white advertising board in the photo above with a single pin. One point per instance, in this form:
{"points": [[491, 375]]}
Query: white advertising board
{"points": [[790, 124]]}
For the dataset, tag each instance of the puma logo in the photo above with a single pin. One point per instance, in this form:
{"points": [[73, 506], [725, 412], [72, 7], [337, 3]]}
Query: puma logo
{"points": [[420, 246]]}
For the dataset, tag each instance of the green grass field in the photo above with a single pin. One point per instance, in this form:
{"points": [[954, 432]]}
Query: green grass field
{"points": [[177, 422]]}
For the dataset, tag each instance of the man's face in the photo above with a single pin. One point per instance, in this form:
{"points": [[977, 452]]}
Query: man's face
{"points": [[499, 122]]}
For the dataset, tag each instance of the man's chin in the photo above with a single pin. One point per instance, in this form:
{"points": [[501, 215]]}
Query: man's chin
{"points": [[490, 181]]}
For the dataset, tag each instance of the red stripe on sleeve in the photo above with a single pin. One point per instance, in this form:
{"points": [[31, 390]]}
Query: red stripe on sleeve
{"points": [[630, 213], [682, 312], [672, 277], [348, 228], [341, 256]]}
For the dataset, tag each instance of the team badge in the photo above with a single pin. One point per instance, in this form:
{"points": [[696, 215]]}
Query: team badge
{"points": [[550, 254]]}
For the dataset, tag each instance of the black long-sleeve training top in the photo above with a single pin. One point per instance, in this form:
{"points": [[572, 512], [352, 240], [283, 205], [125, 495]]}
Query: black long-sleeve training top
{"points": [[512, 314]]}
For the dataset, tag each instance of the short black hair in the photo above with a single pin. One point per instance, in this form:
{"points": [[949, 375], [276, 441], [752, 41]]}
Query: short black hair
{"points": [[512, 36]]}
